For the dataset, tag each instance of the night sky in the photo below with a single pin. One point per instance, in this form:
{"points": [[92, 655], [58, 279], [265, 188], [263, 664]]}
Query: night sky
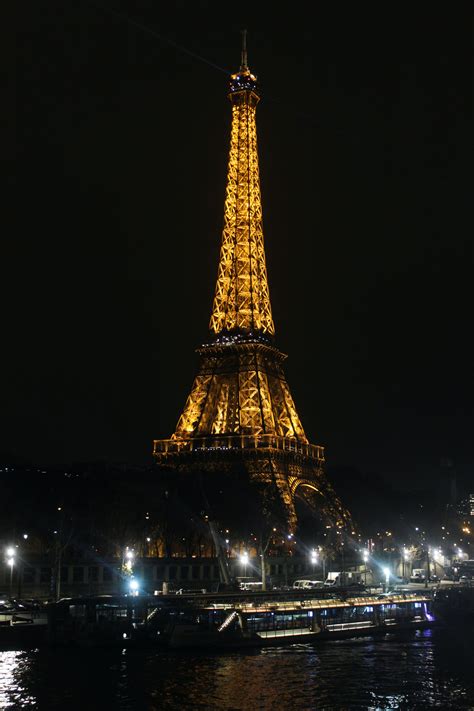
{"points": [[365, 160]]}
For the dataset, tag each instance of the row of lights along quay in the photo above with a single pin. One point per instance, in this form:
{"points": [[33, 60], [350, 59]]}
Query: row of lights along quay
{"points": [[74, 552]]}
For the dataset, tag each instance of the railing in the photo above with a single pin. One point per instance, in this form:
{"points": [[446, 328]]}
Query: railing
{"points": [[227, 443]]}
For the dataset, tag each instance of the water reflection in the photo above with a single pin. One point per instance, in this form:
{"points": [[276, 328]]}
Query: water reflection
{"points": [[417, 671], [14, 665]]}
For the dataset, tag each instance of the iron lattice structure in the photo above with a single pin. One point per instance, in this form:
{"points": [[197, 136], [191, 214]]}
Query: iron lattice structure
{"points": [[240, 412]]}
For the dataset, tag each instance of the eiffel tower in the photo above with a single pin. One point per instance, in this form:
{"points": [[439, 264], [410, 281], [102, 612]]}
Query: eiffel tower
{"points": [[240, 412]]}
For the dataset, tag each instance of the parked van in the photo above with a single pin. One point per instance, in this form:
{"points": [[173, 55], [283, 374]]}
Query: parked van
{"points": [[418, 575], [251, 586], [308, 584], [333, 579], [340, 578]]}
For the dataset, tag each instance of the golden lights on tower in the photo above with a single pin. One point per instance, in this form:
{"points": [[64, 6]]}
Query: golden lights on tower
{"points": [[242, 299], [240, 404]]}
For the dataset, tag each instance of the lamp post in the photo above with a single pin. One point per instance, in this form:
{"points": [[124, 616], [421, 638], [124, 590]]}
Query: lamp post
{"points": [[263, 550], [365, 556], [126, 573], [428, 566], [387, 577], [11, 562], [437, 558], [342, 579], [314, 559], [244, 559], [129, 556], [406, 558]]}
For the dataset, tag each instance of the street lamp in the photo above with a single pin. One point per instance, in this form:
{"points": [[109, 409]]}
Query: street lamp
{"points": [[365, 556], [244, 559], [387, 577], [406, 558], [323, 561], [129, 555], [11, 562], [314, 559]]}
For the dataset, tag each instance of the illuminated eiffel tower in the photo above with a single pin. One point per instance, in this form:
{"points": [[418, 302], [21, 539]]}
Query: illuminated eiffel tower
{"points": [[240, 411]]}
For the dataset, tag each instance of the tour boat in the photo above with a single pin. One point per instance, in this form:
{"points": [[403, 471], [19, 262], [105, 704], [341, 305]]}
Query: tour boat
{"points": [[286, 622], [220, 621]]}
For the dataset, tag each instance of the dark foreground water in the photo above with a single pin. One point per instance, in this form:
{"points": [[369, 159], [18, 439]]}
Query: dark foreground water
{"points": [[419, 670]]}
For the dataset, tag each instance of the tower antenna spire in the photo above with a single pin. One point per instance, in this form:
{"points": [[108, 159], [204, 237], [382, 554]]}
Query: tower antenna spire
{"points": [[243, 61]]}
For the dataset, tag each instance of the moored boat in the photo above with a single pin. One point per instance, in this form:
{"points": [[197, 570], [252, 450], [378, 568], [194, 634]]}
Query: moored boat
{"points": [[263, 623], [22, 630], [220, 621]]}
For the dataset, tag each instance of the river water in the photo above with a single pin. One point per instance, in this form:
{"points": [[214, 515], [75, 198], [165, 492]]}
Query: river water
{"points": [[417, 670]]}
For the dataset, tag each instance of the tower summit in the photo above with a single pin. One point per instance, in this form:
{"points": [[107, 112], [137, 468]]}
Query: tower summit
{"points": [[240, 415], [242, 299]]}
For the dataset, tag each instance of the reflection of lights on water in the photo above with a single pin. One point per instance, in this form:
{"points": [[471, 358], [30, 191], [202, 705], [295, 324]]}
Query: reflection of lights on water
{"points": [[428, 615], [389, 701], [12, 693]]}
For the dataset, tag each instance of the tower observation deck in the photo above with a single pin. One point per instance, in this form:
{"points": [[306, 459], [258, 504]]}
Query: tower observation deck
{"points": [[240, 412]]}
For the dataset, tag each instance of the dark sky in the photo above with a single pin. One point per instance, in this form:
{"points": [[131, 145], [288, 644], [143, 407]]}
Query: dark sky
{"points": [[365, 158]]}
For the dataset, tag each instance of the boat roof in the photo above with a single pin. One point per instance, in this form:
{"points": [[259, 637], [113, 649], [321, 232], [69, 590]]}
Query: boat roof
{"points": [[314, 604], [247, 603]]}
